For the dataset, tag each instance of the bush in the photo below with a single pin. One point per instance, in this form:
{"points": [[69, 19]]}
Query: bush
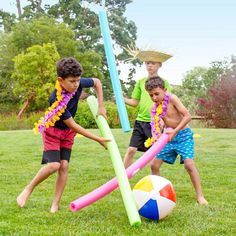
{"points": [[10, 121], [8, 108], [83, 117], [219, 106]]}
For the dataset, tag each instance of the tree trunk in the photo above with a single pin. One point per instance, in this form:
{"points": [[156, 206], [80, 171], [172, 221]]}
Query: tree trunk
{"points": [[27, 103], [39, 5], [18, 7]]}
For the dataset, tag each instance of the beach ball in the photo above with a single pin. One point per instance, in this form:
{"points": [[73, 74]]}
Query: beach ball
{"points": [[155, 197]]}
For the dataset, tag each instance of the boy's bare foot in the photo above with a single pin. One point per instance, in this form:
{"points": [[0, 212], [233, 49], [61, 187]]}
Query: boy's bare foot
{"points": [[202, 201], [54, 208], [22, 198]]}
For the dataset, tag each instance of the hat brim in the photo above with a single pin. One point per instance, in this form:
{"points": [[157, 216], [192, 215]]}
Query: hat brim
{"points": [[154, 56]]}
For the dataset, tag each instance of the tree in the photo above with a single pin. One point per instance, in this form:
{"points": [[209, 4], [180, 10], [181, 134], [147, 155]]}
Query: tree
{"points": [[7, 20], [26, 34], [197, 82], [6, 67], [80, 17], [35, 74], [18, 5], [32, 10], [219, 106], [44, 30]]}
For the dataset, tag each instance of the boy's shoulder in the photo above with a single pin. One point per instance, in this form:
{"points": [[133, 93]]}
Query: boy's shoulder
{"points": [[173, 96], [86, 82], [174, 99]]}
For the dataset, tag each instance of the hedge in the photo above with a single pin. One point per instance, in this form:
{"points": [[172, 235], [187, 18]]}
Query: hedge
{"points": [[83, 117]]}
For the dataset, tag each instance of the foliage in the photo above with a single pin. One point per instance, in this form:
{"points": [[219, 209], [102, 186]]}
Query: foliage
{"points": [[42, 24], [34, 73], [38, 31], [85, 118], [43, 30], [7, 20], [91, 167], [81, 17], [6, 66], [197, 81], [7, 108], [10, 121], [92, 66], [219, 106]]}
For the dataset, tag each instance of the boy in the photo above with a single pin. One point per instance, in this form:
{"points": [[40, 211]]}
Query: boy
{"points": [[142, 130], [59, 131], [170, 109]]}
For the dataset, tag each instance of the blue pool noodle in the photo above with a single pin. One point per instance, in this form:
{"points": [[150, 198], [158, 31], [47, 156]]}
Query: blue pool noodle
{"points": [[113, 72]]}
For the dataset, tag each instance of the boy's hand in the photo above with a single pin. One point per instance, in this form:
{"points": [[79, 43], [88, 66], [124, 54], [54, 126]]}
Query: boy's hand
{"points": [[103, 142], [171, 134], [102, 111]]}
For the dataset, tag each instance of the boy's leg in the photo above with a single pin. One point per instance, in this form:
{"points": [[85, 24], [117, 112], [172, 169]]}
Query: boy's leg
{"points": [[195, 178], [155, 166], [60, 185], [141, 131], [42, 174], [128, 160]]}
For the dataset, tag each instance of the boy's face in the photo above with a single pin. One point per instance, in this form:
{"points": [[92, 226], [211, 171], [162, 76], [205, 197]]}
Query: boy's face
{"points": [[157, 94], [152, 67], [70, 84]]}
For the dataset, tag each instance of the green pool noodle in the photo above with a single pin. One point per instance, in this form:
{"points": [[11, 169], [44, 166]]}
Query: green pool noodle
{"points": [[119, 168]]}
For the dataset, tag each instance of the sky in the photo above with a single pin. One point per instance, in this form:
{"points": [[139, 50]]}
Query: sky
{"points": [[195, 32]]}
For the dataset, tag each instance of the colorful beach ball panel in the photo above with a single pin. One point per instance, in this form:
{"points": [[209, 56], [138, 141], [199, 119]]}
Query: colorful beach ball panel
{"points": [[155, 197]]}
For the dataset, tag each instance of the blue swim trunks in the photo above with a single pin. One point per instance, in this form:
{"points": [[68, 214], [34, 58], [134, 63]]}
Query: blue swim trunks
{"points": [[182, 145]]}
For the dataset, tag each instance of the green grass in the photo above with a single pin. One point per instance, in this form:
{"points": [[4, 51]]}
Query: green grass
{"points": [[90, 167]]}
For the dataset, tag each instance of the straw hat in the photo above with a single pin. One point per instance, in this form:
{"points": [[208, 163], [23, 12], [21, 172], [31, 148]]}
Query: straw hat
{"points": [[147, 55]]}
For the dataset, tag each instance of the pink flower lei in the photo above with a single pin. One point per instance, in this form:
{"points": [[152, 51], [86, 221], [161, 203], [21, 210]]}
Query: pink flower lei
{"points": [[55, 110], [158, 111]]}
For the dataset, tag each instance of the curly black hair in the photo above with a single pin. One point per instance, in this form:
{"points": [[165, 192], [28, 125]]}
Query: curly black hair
{"points": [[154, 82], [69, 67]]}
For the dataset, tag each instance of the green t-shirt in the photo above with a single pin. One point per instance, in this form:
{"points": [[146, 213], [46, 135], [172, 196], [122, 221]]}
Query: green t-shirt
{"points": [[145, 102]]}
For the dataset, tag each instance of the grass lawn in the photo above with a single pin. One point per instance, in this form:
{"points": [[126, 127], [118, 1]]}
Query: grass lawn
{"points": [[90, 167]]}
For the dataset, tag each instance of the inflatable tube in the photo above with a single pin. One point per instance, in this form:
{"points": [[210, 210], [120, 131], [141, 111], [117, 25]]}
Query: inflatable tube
{"points": [[118, 166], [130, 171], [113, 72]]}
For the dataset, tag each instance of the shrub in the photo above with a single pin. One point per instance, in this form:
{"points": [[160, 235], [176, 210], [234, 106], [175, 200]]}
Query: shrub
{"points": [[85, 118], [10, 121], [219, 107]]}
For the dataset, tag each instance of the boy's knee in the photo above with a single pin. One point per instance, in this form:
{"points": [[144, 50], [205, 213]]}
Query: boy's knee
{"points": [[64, 166], [155, 166], [189, 165], [54, 166], [131, 151]]}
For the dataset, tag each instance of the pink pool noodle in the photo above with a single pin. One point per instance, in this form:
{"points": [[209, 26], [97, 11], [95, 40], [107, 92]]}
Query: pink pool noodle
{"points": [[111, 185]]}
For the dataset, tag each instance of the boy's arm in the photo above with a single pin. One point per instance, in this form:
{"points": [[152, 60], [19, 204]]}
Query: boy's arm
{"points": [[183, 111], [79, 129], [136, 94], [131, 102], [99, 92]]}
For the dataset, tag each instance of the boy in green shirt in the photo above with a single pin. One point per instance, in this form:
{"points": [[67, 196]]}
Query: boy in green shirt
{"points": [[142, 129]]}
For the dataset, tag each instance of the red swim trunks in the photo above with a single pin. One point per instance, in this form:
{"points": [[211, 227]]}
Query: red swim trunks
{"points": [[57, 144]]}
